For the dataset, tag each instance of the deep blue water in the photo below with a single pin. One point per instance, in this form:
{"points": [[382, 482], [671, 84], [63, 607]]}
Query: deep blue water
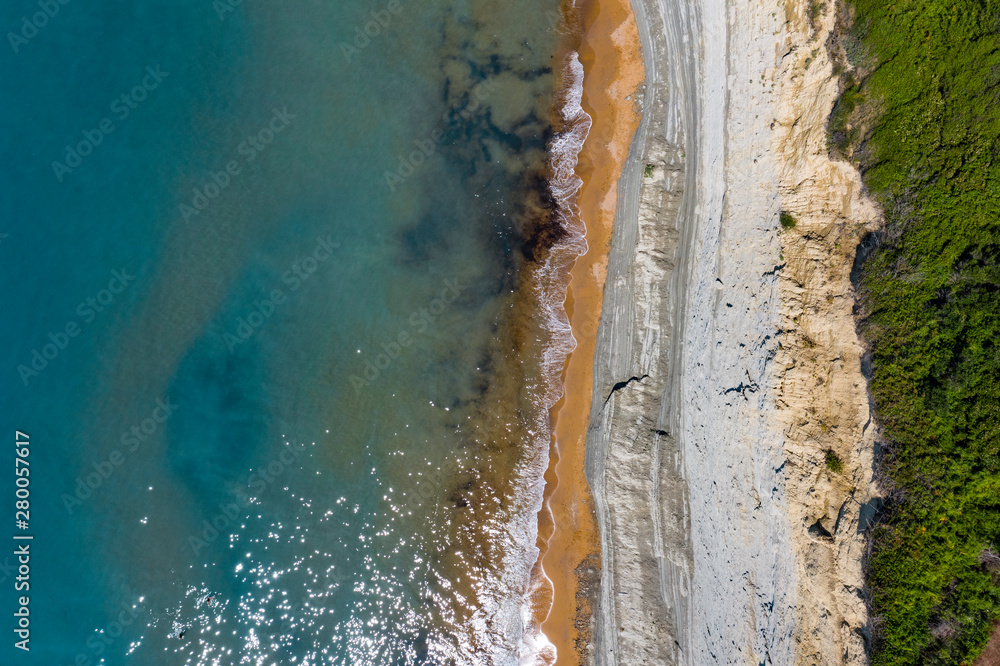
{"points": [[257, 277]]}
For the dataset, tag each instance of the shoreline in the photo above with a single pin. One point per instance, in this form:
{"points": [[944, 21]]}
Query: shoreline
{"points": [[568, 540]]}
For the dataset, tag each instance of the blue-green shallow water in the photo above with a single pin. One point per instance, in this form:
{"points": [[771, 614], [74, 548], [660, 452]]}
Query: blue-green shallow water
{"points": [[294, 422]]}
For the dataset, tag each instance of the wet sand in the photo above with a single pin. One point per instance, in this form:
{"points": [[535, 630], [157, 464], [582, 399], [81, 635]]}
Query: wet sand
{"points": [[611, 55]]}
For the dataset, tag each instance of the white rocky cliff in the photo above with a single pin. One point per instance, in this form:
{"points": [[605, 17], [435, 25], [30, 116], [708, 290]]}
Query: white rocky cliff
{"points": [[727, 364]]}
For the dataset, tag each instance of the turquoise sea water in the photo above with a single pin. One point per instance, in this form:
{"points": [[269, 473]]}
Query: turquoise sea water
{"points": [[261, 265]]}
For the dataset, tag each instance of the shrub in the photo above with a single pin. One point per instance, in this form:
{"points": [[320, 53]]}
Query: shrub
{"points": [[833, 462], [929, 301], [816, 8]]}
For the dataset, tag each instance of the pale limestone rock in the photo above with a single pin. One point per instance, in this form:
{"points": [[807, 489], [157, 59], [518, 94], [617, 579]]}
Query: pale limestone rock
{"points": [[708, 460]]}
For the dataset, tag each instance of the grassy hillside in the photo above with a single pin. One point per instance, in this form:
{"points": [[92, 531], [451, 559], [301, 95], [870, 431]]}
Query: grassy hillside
{"points": [[921, 118]]}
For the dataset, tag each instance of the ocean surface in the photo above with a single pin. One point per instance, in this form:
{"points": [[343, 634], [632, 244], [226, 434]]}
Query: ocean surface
{"points": [[278, 326]]}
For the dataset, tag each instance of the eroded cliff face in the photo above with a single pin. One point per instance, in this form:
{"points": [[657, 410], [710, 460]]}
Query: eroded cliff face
{"points": [[821, 396], [730, 442]]}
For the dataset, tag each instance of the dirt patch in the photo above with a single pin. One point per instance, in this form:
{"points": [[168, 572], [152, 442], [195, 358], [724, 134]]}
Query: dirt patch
{"points": [[991, 655]]}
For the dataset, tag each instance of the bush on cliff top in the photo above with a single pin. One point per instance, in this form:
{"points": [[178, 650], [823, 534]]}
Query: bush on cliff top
{"points": [[922, 122]]}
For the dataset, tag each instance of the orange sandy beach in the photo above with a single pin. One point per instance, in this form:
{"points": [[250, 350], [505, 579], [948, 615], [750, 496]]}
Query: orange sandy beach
{"points": [[612, 59]]}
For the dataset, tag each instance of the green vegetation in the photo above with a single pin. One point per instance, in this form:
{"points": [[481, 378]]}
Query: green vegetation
{"points": [[788, 220], [816, 8], [648, 171], [921, 117], [833, 462]]}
